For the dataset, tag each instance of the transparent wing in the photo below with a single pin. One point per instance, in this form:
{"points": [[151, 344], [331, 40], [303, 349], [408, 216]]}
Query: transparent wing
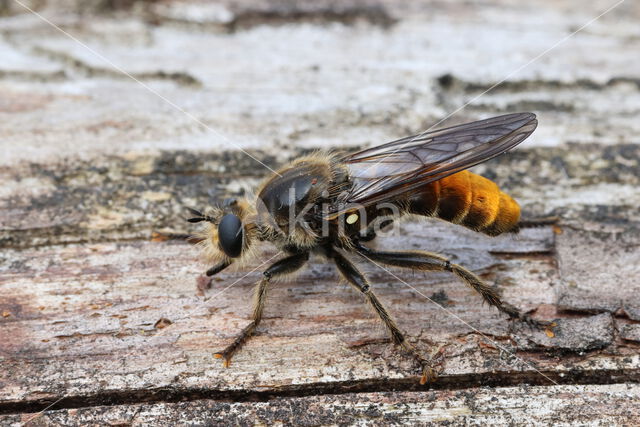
{"points": [[390, 170]]}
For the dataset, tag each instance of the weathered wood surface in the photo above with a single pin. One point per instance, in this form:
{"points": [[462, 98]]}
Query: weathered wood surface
{"points": [[606, 405], [112, 326]]}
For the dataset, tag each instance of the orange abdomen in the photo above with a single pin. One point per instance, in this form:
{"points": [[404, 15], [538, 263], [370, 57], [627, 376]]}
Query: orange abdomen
{"points": [[470, 200]]}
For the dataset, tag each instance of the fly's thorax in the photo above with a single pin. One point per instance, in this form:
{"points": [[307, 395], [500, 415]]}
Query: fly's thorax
{"points": [[355, 219], [288, 204]]}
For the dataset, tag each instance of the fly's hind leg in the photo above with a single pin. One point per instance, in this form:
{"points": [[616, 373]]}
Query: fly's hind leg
{"points": [[425, 261], [279, 268], [358, 281]]}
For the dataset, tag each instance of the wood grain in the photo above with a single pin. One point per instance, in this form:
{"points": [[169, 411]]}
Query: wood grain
{"points": [[102, 323], [609, 404]]}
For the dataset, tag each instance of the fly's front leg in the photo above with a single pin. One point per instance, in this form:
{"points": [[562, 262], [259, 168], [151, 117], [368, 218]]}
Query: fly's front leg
{"points": [[204, 282], [279, 268], [217, 268], [425, 261], [358, 281]]}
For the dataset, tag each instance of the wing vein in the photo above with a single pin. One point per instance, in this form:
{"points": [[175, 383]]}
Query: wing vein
{"points": [[395, 169]]}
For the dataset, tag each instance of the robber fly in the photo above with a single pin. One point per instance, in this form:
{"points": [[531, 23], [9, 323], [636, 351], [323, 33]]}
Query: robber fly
{"points": [[332, 205]]}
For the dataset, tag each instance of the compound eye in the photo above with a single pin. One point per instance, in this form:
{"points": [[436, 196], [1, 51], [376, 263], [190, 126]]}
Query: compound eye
{"points": [[230, 233]]}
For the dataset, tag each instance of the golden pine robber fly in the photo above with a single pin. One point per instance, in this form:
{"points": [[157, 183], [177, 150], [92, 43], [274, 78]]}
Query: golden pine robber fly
{"points": [[332, 205]]}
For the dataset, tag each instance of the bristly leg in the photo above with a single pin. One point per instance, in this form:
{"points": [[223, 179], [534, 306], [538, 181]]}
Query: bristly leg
{"points": [[279, 268], [358, 281], [425, 261], [217, 268]]}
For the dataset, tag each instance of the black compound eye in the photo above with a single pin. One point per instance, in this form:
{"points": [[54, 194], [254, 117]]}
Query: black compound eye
{"points": [[230, 234]]}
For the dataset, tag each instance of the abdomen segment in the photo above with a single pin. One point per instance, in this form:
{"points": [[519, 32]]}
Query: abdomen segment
{"points": [[470, 200]]}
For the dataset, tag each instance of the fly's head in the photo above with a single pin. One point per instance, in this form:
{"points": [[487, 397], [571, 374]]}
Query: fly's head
{"points": [[228, 230]]}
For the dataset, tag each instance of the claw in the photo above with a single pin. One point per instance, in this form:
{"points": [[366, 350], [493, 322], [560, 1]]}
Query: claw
{"points": [[429, 370], [549, 329], [429, 375], [541, 325], [227, 359]]}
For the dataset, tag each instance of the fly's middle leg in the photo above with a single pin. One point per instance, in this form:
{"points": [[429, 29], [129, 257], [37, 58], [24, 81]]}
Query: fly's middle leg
{"points": [[358, 281]]}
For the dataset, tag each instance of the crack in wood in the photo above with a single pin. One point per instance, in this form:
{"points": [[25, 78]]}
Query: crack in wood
{"points": [[453, 382]]}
